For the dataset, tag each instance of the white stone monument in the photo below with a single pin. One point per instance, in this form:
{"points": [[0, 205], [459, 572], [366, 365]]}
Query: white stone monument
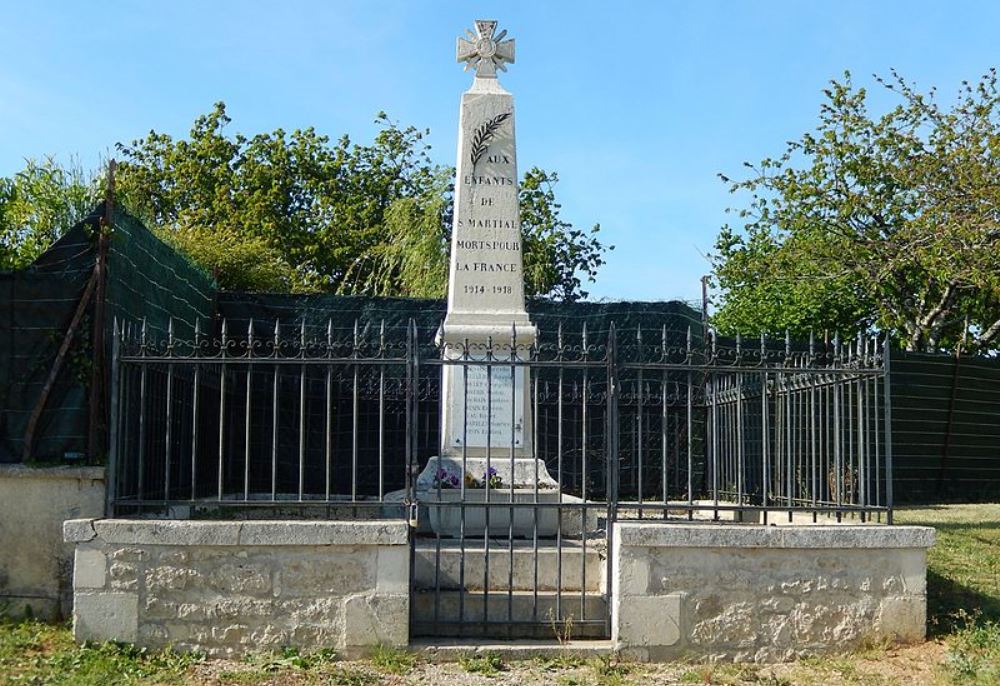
{"points": [[486, 410]]}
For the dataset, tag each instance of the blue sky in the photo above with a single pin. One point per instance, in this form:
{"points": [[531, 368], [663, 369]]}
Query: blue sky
{"points": [[637, 105]]}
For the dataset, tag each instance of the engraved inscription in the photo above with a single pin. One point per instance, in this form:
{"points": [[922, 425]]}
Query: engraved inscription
{"points": [[485, 404]]}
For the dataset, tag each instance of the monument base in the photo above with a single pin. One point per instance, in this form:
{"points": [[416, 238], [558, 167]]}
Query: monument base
{"points": [[522, 472], [557, 513], [518, 522]]}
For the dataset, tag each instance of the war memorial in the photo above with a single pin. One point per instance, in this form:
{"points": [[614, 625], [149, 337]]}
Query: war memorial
{"points": [[498, 472]]}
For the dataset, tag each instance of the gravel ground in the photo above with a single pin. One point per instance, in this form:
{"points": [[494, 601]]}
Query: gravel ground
{"points": [[918, 665]]}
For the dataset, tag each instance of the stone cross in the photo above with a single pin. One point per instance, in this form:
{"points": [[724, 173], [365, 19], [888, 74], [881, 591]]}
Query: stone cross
{"points": [[484, 51]]}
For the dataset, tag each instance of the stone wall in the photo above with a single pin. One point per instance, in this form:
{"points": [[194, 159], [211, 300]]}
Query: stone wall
{"points": [[35, 564], [731, 592], [226, 588]]}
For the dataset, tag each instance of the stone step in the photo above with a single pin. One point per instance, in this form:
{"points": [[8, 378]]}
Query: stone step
{"points": [[519, 615], [568, 567], [456, 649]]}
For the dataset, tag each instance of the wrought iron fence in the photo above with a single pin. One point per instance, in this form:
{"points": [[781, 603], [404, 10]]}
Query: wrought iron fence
{"points": [[635, 423]]}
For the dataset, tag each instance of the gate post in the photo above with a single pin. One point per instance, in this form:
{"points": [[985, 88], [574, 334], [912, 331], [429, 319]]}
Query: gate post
{"points": [[611, 447], [887, 408], [111, 468], [412, 383]]}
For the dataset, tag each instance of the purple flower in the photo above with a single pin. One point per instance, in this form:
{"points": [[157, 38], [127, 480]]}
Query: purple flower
{"points": [[492, 478], [454, 481]]}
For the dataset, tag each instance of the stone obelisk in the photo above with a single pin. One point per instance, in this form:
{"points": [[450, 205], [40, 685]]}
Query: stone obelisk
{"points": [[487, 413]]}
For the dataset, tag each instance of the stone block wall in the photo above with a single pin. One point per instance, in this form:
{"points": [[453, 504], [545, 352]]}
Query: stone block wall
{"points": [[744, 593], [227, 588], [36, 566]]}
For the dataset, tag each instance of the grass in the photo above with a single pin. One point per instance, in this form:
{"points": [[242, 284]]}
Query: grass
{"points": [[32, 652], [393, 660], [487, 664], [963, 617], [963, 588], [731, 675], [609, 670], [963, 568], [974, 655], [290, 659]]}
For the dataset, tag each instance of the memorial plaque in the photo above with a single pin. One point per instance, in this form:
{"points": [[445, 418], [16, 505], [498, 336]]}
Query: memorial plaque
{"points": [[488, 403]]}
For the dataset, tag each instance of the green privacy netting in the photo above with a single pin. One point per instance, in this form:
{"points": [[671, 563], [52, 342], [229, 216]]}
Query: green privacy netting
{"points": [[340, 312], [943, 448], [146, 279]]}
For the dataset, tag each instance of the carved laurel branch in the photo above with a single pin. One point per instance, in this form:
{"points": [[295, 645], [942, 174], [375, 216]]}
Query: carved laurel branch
{"points": [[484, 134]]}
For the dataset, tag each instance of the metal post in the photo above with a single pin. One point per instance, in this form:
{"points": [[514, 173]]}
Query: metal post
{"points": [[274, 411], [887, 426], [141, 478], [246, 415], [115, 422], [612, 462], [195, 382], [222, 410], [328, 416], [168, 433], [302, 412]]}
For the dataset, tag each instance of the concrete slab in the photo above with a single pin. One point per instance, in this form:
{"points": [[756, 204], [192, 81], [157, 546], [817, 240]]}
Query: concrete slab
{"points": [[719, 535]]}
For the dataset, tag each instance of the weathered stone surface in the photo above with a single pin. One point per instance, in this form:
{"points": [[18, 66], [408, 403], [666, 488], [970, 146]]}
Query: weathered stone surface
{"points": [[350, 572], [370, 532], [124, 576], [762, 596], [89, 569], [193, 611], [843, 536], [169, 578], [904, 618], [79, 530], [633, 574], [851, 537], [373, 619], [173, 556], [153, 635], [128, 554], [240, 608], [724, 623], [106, 617], [392, 570], [157, 608], [269, 636], [196, 533], [241, 578], [36, 561], [649, 620], [317, 610], [319, 636], [167, 532], [226, 600]]}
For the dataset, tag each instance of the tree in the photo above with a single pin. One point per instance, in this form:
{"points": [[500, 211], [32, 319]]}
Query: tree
{"points": [[294, 212], [295, 197], [886, 223], [556, 254], [37, 205], [413, 261]]}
